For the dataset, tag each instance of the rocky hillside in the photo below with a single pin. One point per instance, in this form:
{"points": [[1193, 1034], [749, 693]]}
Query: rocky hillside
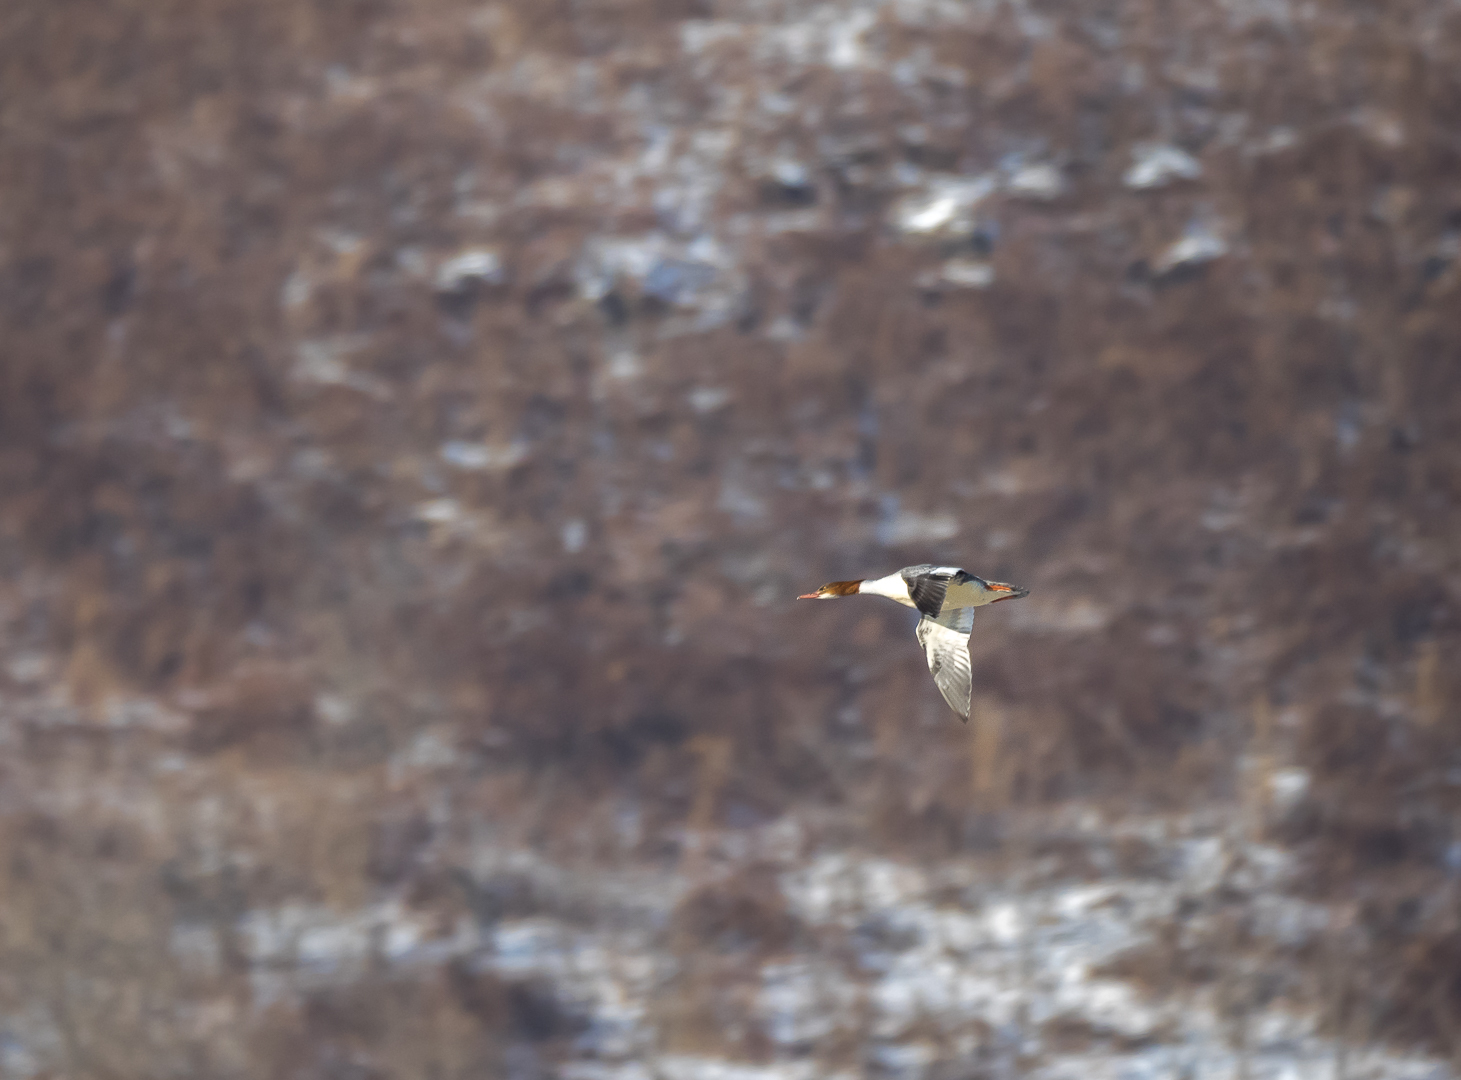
{"points": [[416, 419]]}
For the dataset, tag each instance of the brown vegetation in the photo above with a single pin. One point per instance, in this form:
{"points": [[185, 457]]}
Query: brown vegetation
{"points": [[266, 645]]}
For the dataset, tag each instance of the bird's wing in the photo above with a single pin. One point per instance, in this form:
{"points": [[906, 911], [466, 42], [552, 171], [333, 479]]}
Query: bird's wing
{"points": [[927, 585], [959, 620], [945, 641]]}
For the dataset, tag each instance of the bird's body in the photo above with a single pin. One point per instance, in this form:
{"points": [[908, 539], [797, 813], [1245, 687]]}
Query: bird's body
{"points": [[946, 597]]}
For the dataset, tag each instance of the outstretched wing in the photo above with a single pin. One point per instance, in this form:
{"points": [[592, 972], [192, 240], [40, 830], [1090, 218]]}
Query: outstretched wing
{"points": [[945, 642], [928, 584]]}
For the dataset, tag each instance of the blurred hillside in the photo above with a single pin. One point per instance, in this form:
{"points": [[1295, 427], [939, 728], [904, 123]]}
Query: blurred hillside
{"points": [[417, 418]]}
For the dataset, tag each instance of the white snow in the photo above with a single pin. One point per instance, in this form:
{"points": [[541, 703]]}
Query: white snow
{"points": [[920, 965], [480, 457], [474, 264], [1157, 164], [944, 207]]}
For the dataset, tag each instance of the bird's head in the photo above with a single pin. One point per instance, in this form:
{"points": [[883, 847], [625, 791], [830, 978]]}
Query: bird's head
{"points": [[1004, 591], [831, 590]]}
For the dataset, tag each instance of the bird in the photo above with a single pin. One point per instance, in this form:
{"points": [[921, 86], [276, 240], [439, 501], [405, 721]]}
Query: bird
{"points": [[946, 597]]}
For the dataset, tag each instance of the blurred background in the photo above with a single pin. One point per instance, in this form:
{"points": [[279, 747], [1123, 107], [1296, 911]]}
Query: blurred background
{"points": [[417, 416]]}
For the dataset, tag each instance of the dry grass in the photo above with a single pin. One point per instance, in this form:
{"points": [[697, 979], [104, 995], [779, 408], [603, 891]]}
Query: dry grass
{"points": [[1226, 485]]}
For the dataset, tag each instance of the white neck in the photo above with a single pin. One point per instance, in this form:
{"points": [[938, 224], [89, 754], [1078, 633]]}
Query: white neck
{"points": [[893, 587]]}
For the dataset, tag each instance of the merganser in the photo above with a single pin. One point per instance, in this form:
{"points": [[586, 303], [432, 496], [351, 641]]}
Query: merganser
{"points": [[946, 596]]}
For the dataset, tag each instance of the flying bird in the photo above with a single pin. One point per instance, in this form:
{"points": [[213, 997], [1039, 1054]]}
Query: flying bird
{"points": [[946, 596]]}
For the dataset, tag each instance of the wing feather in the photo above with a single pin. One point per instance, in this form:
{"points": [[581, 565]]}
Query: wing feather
{"points": [[927, 593], [928, 585], [960, 620], [945, 642]]}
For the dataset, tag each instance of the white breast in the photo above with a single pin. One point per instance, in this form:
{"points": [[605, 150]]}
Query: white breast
{"points": [[893, 587]]}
